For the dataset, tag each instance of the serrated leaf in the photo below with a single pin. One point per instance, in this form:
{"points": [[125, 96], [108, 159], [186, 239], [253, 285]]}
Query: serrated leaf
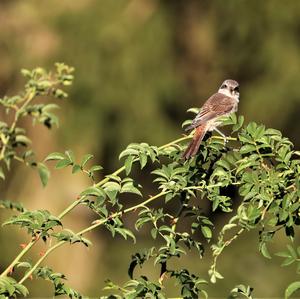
{"points": [[44, 173]]}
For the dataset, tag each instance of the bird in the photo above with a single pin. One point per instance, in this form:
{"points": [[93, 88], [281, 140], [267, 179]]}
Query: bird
{"points": [[222, 103]]}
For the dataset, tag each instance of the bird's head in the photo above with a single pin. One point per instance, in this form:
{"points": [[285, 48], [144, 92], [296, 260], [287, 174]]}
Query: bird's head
{"points": [[230, 88]]}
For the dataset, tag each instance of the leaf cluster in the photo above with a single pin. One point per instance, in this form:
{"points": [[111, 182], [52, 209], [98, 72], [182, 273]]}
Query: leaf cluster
{"points": [[256, 163]]}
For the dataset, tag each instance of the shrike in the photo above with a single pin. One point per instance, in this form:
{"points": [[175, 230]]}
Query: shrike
{"points": [[222, 103]]}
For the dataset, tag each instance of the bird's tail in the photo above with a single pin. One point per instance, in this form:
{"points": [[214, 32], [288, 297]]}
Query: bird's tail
{"points": [[193, 147]]}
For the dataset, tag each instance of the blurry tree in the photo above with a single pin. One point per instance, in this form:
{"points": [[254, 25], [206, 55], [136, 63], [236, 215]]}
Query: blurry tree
{"points": [[164, 55], [141, 63]]}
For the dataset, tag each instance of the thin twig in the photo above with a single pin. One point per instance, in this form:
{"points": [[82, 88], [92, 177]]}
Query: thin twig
{"points": [[90, 228]]}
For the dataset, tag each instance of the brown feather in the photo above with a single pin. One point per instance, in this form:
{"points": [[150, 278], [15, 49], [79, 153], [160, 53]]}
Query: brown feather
{"points": [[194, 145], [217, 105]]}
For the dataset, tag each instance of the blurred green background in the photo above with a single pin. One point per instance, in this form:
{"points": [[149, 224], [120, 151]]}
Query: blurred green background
{"points": [[140, 64]]}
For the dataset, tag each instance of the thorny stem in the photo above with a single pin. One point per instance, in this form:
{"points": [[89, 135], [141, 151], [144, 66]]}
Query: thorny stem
{"points": [[5, 141], [90, 228], [18, 257], [75, 203]]}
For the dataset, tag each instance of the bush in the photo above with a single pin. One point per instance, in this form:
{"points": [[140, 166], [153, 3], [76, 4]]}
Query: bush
{"points": [[258, 162]]}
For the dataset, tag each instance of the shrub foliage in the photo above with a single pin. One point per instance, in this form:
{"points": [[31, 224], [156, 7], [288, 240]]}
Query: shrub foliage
{"points": [[257, 162]]}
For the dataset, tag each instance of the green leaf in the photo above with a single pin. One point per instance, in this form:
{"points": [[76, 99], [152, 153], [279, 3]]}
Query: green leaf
{"points": [[76, 168], [130, 234], [292, 288], [206, 231], [130, 188], [288, 261], [7, 204], [63, 163], [283, 254], [50, 107], [23, 139], [273, 132], [85, 159], [186, 123], [245, 149], [228, 227], [24, 265], [292, 251], [239, 124], [55, 156], [93, 191], [154, 233], [193, 110], [95, 168], [264, 251], [128, 164], [251, 128], [70, 155], [224, 164], [26, 73], [111, 189], [128, 152], [44, 173], [143, 160]]}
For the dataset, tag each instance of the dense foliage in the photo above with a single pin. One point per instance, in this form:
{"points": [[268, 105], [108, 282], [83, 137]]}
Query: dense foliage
{"points": [[256, 162]]}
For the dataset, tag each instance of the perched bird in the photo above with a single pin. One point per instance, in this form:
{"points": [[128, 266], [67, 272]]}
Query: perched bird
{"points": [[222, 103]]}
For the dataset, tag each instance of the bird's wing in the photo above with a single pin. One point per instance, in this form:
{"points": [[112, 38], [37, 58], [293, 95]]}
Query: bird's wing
{"points": [[217, 105]]}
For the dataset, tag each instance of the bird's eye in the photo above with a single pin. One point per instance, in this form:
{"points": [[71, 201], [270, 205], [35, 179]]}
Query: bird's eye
{"points": [[224, 86], [236, 89]]}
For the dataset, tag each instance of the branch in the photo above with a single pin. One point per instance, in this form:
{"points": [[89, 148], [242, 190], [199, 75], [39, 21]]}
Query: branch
{"points": [[90, 228], [75, 204], [27, 99]]}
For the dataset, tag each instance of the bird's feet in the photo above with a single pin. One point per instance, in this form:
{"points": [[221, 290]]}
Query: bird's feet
{"points": [[223, 135]]}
